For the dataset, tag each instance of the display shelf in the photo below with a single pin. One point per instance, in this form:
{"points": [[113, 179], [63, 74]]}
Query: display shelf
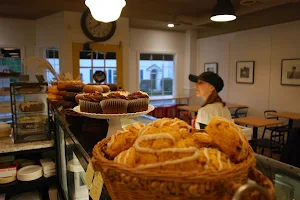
{"points": [[23, 186], [16, 112], [9, 148]]}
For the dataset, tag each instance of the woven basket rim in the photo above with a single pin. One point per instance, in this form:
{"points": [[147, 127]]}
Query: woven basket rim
{"points": [[98, 158]]}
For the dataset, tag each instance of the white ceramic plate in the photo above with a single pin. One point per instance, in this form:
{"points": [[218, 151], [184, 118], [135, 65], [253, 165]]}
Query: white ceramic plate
{"points": [[113, 116], [30, 173]]}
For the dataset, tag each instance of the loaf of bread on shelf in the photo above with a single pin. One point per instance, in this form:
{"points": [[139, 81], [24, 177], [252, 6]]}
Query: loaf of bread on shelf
{"points": [[32, 106]]}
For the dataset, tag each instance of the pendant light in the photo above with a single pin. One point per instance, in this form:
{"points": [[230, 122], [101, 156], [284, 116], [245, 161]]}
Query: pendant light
{"points": [[223, 11], [105, 10]]}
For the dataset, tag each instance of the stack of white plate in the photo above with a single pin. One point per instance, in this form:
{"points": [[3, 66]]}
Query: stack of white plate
{"points": [[30, 173]]}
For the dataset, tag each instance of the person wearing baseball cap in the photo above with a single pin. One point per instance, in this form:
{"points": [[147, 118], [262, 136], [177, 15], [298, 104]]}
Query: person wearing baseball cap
{"points": [[208, 85]]}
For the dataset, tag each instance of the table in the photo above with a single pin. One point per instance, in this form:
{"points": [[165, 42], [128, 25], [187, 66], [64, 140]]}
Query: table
{"points": [[256, 122], [232, 105], [289, 115], [171, 98], [196, 108]]}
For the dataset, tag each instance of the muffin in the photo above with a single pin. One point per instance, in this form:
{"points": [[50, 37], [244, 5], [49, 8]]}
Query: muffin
{"points": [[90, 103], [114, 103], [79, 96], [137, 102]]}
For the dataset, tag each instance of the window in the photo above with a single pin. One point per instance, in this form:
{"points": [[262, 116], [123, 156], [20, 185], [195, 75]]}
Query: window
{"points": [[157, 74], [10, 60], [51, 55], [92, 61]]}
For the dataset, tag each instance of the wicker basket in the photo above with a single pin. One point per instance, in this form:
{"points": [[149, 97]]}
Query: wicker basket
{"points": [[124, 183]]}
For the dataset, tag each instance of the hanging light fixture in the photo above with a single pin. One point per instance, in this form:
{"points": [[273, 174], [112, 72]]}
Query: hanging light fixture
{"points": [[223, 11], [105, 10]]}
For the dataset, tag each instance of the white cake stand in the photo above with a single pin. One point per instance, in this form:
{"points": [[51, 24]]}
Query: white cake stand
{"points": [[114, 119]]}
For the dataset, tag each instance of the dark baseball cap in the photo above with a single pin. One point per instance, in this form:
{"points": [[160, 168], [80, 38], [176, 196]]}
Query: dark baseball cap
{"points": [[210, 77]]}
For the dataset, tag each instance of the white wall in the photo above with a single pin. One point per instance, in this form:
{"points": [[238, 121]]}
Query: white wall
{"points": [[266, 46], [20, 34], [153, 41], [62, 29]]}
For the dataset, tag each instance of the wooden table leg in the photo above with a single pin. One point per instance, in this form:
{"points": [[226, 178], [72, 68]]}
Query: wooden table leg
{"points": [[254, 138]]}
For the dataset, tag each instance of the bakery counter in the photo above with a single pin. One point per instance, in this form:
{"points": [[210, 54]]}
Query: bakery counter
{"points": [[8, 147], [75, 143]]}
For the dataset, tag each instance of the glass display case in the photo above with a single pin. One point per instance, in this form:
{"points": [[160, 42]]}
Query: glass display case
{"points": [[71, 153], [31, 116]]}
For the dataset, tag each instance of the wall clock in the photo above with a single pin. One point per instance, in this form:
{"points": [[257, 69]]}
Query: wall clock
{"points": [[95, 30]]}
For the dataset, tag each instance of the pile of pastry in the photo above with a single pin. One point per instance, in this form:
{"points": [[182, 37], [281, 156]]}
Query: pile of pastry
{"points": [[173, 145], [118, 102], [68, 92]]}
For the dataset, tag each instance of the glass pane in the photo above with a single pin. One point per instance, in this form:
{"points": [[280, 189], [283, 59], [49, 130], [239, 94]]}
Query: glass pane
{"points": [[52, 56], [156, 75], [85, 58], [111, 74], [144, 56], [98, 59], [111, 60], [86, 75]]}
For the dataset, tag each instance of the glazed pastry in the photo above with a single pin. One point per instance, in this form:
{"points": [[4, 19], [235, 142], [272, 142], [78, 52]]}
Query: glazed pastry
{"points": [[175, 123], [32, 106], [93, 89], [74, 88], [54, 97], [105, 88], [122, 140], [229, 137], [61, 85], [174, 158]]}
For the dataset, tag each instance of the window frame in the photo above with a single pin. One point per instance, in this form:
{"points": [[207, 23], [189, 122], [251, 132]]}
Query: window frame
{"points": [[175, 54], [118, 49], [44, 49]]}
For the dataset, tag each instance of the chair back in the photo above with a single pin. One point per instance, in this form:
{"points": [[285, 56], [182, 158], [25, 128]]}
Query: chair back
{"points": [[267, 116], [240, 112]]}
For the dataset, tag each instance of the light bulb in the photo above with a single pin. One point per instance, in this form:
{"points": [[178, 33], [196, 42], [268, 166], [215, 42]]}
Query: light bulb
{"points": [[223, 18], [105, 10], [171, 25]]}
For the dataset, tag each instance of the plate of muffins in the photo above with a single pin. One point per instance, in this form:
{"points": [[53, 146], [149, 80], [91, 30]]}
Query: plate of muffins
{"points": [[113, 105]]}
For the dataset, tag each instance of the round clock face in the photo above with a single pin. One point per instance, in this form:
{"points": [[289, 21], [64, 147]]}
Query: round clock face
{"points": [[95, 30]]}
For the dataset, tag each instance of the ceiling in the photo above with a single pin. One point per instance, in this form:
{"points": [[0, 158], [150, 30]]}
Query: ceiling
{"points": [[156, 14]]}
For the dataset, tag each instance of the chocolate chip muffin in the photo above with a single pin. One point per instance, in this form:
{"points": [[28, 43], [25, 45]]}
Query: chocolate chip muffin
{"points": [[137, 102], [114, 103], [91, 103]]}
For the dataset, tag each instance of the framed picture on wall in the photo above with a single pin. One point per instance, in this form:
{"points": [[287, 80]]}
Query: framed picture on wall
{"points": [[211, 67], [290, 72], [245, 72]]}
